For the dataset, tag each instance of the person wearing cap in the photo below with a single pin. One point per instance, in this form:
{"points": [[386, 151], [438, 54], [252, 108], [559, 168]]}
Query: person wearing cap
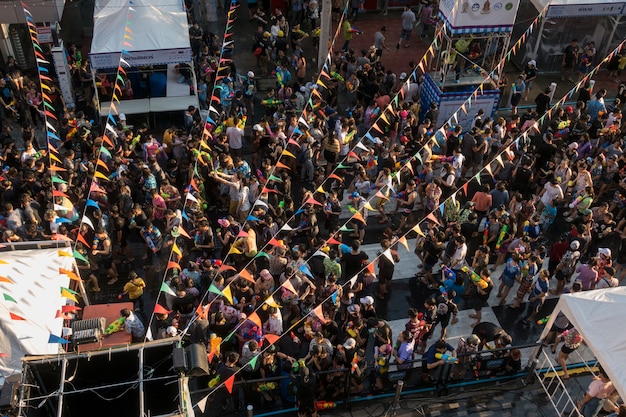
{"points": [[464, 349], [367, 307], [530, 71], [566, 266]]}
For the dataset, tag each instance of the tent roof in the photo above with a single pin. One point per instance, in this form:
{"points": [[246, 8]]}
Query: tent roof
{"points": [[152, 26], [599, 316], [576, 8]]}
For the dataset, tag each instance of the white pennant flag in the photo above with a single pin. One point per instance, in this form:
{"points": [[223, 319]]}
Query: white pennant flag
{"points": [[213, 109], [108, 126], [389, 256], [88, 222], [202, 403], [58, 207], [287, 227], [260, 203], [301, 120], [352, 281], [321, 253], [190, 196], [361, 146]]}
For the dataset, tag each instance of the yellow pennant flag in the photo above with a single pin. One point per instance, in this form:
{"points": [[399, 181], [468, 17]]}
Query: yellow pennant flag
{"points": [[287, 153], [68, 295], [271, 302], [204, 145], [63, 253], [52, 156], [320, 189], [228, 294], [99, 174], [176, 250], [368, 206], [418, 230], [234, 250]]}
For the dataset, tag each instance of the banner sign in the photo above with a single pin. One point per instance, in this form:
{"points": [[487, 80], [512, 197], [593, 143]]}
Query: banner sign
{"points": [[584, 10], [141, 58], [478, 16]]}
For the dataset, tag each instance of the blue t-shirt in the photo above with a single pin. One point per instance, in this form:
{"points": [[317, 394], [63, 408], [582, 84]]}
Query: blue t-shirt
{"points": [[429, 356], [511, 270]]}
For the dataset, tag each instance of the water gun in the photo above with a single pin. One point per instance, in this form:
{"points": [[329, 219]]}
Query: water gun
{"points": [[355, 30], [503, 231], [486, 233], [268, 386], [116, 326], [121, 295], [150, 243], [271, 102], [577, 201], [325, 405], [442, 158], [196, 238], [214, 382], [563, 124], [526, 227], [543, 321], [355, 363], [301, 34], [446, 358], [95, 243], [39, 154], [475, 368], [336, 76], [242, 122], [350, 329], [481, 283], [448, 273], [279, 78], [400, 195], [219, 129], [316, 32]]}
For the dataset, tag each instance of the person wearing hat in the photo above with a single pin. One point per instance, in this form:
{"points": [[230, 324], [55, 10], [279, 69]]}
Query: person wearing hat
{"points": [[530, 71], [464, 349]]}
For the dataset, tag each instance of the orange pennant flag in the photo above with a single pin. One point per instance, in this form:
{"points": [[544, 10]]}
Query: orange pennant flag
{"points": [[402, 240], [319, 312], [16, 317], [229, 383], [370, 268], [254, 317], [70, 274], [172, 264], [80, 238], [289, 287], [335, 176], [281, 165], [359, 217], [183, 232], [465, 188], [102, 163], [271, 338], [225, 267], [200, 312], [5, 279], [194, 185], [56, 168], [245, 274], [432, 218], [375, 126]]}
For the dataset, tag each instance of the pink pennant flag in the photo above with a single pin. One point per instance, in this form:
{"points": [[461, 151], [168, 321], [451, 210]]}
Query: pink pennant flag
{"points": [[313, 201], [289, 287], [432, 218], [319, 313]]}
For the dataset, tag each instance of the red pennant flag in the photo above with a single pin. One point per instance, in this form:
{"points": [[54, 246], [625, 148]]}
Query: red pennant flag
{"points": [[172, 264], [245, 274], [268, 190], [242, 233], [70, 309], [108, 141], [16, 317], [200, 312], [313, 201], [432, 218], [370, 268], [274, 242], [319, 313], [210, 356], [229, 383], [159, 309], [225, 267], [465, 188], [335, 176], [271, 338], [56, 193], [254, 317], [333, 241], [82, 240], [214, 98], [50, 114], [354, 155]]}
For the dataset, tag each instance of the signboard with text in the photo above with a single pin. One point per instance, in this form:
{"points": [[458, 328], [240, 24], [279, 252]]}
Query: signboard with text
{"points": [[478, 16], [141, 58], [580, 10]]}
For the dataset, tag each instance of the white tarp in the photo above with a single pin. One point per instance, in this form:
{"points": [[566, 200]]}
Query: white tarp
{"points": [[580, 8], [599, 316], [151, 32], [30, 299]]}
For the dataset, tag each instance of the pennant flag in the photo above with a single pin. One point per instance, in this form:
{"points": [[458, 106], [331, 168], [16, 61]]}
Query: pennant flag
{"points": [[345, 228], [242, 233], [202, 403], [313, 201], [214, 289], [245, 274], [70, 274], [477, 177], [183, 232], [261, 254], [320, 190], [5, 279], [359, 217], [254, 317], [100, 175], [225, 267], [70, 309], [432, 218], [77, 255], [271, 338], [159, 309], [7, 297], [333, 241], [370, 268], [488, 169], [260, 203], [65, 293], [334, 296], [335, 176], [16, 317], [352, 281], [402, 240], [57, 340], [176, 250], [304, 268], [281, 165], [234, 251], [499, 160], [252, 218], [274, 178], [287, 284], [227, 294], [287, 228], [289, 154], [252, 361], [274, 242], [417, 229], [172, 264], [88, 222], [465, 189], [319, 313], [441, 209], [80, 238], [229, 383], [167, 289]]}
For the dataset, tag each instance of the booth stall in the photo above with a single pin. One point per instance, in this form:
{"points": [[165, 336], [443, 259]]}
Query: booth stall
{"points": [[587, 21], [157, 48]]}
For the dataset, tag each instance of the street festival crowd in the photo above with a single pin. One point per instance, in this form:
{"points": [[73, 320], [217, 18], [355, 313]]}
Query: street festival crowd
{"points": [[258, 262]]}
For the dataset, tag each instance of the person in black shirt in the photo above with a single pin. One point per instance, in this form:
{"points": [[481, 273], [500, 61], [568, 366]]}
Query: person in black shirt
{"points": [[543, 101], [490, 332], [354, 261], [225, 371]]}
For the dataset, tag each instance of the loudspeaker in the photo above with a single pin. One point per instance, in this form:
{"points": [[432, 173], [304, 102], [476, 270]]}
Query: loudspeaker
{"points": [[197, 361], [179, 361]]}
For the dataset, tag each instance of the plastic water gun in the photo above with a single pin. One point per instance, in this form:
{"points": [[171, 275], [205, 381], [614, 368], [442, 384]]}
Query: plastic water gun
{"points": [[268, 386], [486, 233], [325, 405], [543, 321], [116, 326], [271, 102], [221, 128], [577, 201], [355, 31], [95, 243], [526, 227], [301, 34], [446, 358], [350, 329], [355, 363], [442, 158], [214, 382], [336, 76], [563, 124], [39, 154], [316, 32], [481, 283], [279, 78], [150, 243], [242, 122], [503, 231], [448, 273]]}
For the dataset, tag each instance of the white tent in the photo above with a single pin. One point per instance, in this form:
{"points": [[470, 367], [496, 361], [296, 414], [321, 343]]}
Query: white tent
{"points": [[156, 33], [599, 316], [580, 8]]}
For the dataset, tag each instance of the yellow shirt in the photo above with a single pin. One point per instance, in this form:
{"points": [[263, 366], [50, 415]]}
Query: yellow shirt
{"points": [[134, 288]]}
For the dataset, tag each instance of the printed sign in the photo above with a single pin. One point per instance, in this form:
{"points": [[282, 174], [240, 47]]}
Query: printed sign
{"points": [[141, 58], [579, 10], [476, 16]]}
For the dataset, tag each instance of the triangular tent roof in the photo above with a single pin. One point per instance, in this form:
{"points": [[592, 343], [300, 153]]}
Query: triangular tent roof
{"points": [[599, 316], [156, 33]]}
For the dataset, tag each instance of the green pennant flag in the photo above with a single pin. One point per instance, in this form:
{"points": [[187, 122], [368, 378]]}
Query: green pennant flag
{"points": [[344, 228], [281, 204], [261, 254], [7, 297], [342, 166], [419, 157], [166, 289], [58, 180], [68, 290], [215, 290], [78, 255], [105, 151], [252, 362], [274, 178], [478, 178], [120, 79], [46, 104]]}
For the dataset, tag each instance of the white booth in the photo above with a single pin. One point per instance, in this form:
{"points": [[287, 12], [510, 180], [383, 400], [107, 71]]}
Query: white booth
{"points": [[155, 39]]}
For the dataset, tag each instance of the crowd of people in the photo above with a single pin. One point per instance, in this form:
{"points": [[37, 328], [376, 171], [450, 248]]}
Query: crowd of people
{"points": [[250, 207]]}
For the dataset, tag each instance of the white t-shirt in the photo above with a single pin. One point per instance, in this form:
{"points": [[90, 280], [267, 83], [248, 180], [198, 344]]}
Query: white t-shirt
{"points": [[235, 137], [552, 192]]}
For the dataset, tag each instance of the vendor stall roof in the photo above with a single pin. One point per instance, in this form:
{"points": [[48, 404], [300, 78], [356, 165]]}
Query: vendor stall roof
{"points": [[579, 8], [149, 33]]}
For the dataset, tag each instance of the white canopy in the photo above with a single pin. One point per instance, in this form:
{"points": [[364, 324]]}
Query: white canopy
{"points": [[599, 316], [579, 8], [156, 33]]}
